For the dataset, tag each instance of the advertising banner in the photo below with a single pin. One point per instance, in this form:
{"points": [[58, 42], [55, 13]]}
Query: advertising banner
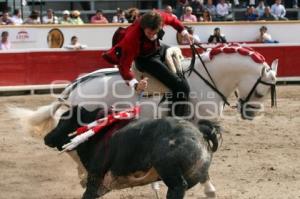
{"points": [[23, 35]]}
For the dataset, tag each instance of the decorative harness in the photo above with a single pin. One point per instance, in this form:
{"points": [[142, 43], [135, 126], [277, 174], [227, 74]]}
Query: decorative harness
{"points": [[258, 58]]}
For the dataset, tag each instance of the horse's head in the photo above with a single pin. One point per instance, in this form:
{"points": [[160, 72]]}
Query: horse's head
{"points": [[254, 88]]}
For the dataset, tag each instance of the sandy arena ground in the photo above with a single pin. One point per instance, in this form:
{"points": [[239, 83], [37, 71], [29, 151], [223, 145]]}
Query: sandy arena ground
{"points": [[258, 159]]}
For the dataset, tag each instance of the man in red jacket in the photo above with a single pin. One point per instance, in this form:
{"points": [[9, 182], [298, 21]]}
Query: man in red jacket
{"points": [[141, 44]]}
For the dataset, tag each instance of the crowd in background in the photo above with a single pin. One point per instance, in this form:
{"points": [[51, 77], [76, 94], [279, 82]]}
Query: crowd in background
{"points": [[67, 17], [209, 10], [185, 10]]}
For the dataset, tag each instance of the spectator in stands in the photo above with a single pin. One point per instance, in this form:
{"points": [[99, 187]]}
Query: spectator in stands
{"points": [[278, 10], [191, 31], [251, 14], [75, 45], [75, 18], [244, 3], [119, 17], [50, 18], [99, 18], [183, 41], [206, 17], [268, 16], [5, 43], [223, 11], [17, 17], [5, 19], [33, 18], [295, 3], [180, 5], [211, 8], [188, 16], [260, 9], [264, 37], [217, 37], [198, 7], [236, 3], [132, 14], [65, 19], [169, 10], [251, 2]]}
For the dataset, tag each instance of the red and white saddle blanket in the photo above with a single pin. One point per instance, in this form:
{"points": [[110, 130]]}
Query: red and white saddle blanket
{"points": [[83, 133]]}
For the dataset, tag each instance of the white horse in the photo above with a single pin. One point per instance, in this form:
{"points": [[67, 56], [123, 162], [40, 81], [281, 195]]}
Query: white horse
{"points": [[229, 68], [228, 72]]}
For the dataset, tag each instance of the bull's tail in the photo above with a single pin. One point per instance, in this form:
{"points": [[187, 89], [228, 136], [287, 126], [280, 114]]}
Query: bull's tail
{"points": [[210, 131], [37, 123]]}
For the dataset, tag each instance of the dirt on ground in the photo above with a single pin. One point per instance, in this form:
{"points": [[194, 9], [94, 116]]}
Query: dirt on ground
{"points": [[257, 159]]}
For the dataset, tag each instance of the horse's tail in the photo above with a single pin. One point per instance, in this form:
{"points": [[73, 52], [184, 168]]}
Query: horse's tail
{"points": [[210, 131], [37, 123]]}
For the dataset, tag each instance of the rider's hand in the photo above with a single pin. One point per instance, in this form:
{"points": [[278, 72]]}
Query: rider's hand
{"points": [[142, 85]]}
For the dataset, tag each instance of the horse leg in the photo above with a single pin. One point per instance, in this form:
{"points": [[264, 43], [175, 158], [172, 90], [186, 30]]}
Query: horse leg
{"points": [[209, 188], [173, 178]]}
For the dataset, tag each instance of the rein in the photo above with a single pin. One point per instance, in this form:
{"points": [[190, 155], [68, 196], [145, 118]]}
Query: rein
{"points": [[211, 84]]}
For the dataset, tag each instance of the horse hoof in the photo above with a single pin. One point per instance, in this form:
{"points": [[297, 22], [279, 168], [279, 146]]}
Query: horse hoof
{"points": [[210, 194]]}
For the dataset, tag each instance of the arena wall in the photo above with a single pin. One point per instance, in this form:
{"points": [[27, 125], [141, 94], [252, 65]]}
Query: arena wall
{"points": [[35, 67]]}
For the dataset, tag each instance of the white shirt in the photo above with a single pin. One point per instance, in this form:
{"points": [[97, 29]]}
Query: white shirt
{"points": [[266, 37], [5, 46], [222, 10], [76, 46], [116, 20], [53, 19], [260, 10], [17, 20], [278, 10]]}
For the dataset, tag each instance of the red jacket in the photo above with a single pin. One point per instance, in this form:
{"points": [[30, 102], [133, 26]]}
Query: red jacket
{"points": [[135, 44]]}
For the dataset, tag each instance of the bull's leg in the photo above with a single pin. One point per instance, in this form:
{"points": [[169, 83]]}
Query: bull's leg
{"points": [[92, 186], [176, 186], [175, 181]]}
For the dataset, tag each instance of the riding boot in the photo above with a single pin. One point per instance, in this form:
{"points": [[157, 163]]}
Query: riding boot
{"points": [[181, 109], [182, 97]]}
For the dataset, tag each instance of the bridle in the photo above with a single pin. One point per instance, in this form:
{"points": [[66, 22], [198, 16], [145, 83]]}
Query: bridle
{"points": [[213, 86], [242, 102]]}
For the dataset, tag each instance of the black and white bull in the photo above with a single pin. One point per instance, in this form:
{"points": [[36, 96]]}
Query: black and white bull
{"points": [[144, 151]]}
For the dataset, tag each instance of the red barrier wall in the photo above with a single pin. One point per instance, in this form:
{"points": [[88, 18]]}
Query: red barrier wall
{"points": [[27, 68]]}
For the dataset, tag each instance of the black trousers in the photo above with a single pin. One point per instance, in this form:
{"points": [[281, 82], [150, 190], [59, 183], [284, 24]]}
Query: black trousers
{"points": [[155, 66]]}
